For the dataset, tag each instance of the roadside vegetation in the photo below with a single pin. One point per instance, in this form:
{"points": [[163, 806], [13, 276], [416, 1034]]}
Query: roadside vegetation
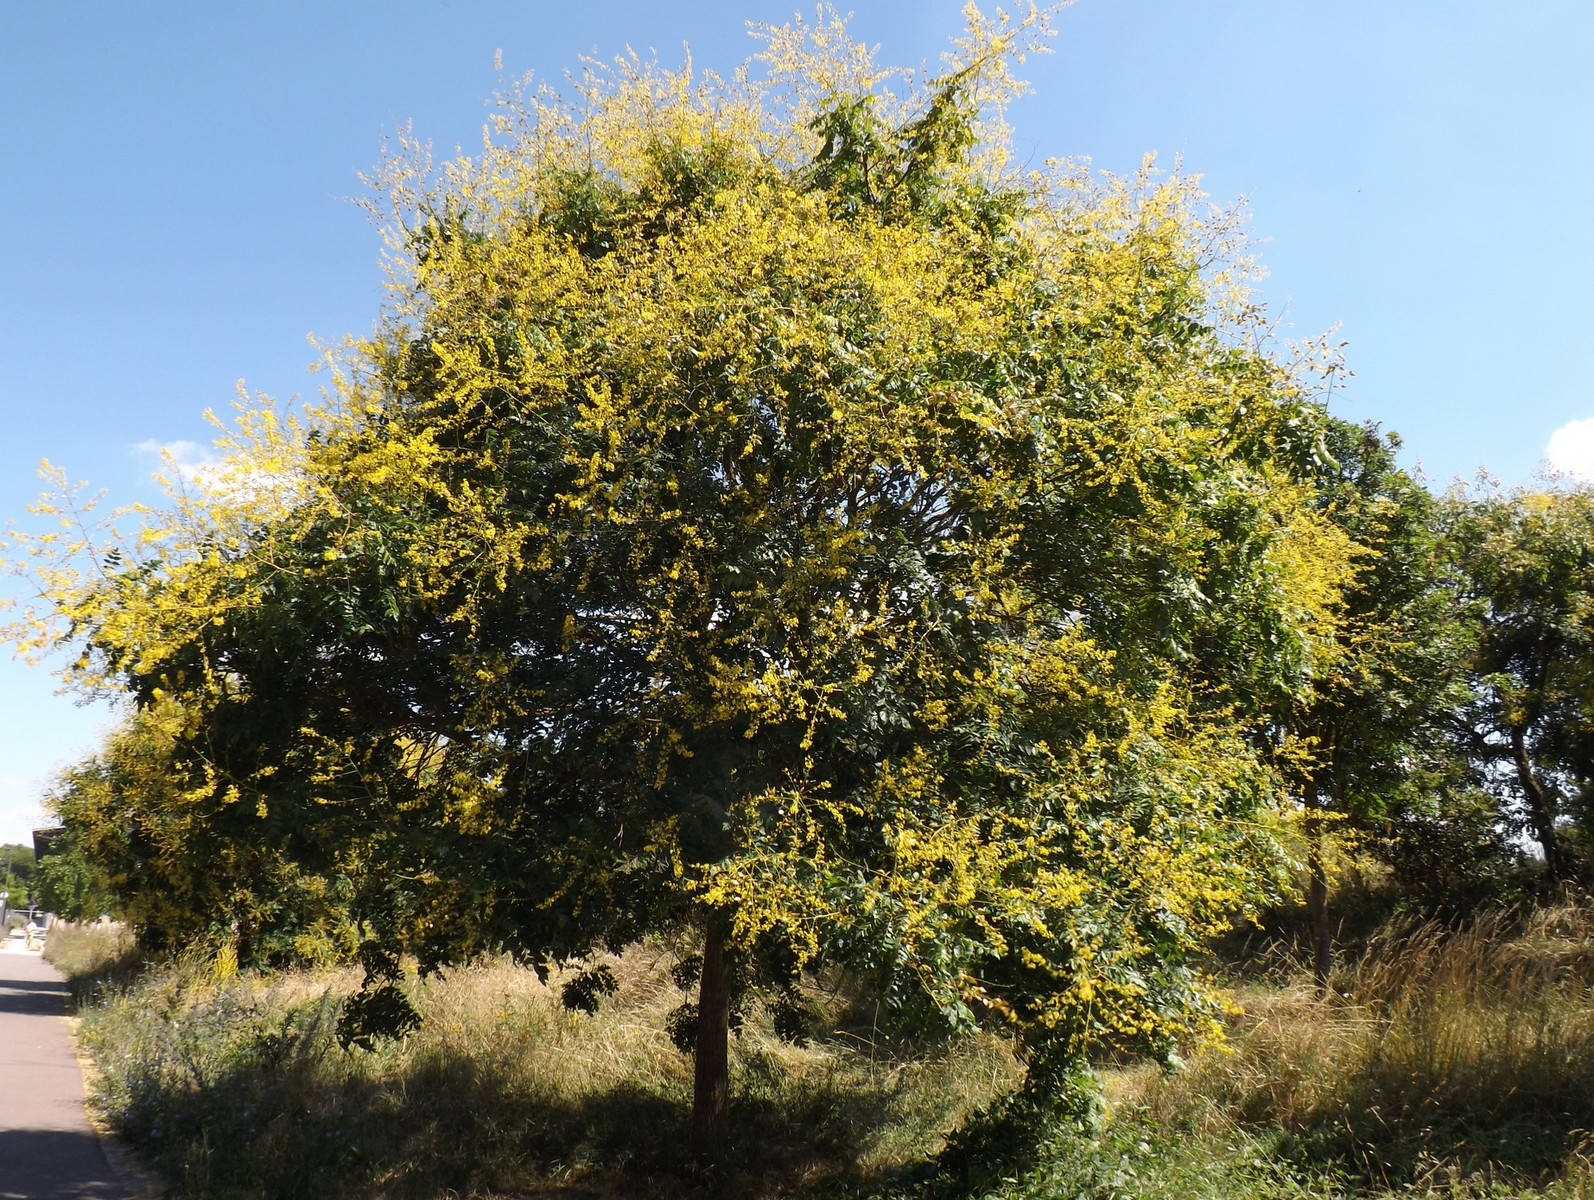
{"points": [[235, 1085], [1448, 1062]]}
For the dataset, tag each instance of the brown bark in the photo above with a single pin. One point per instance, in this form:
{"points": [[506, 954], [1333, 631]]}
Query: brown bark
{"points": [[1538, 806], [1317, 892], [711, 1083]]}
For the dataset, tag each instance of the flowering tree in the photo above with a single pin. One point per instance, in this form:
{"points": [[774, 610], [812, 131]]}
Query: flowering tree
{"points": [[764, 510]]}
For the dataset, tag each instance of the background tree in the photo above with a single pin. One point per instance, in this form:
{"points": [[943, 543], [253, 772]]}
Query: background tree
{"points": [[16, 860], [765, 512], [1377, 716], [71, 883], [151, 833], [1527, 562]]}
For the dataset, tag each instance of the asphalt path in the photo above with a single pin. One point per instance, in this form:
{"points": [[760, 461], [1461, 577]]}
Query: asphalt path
{"points": [[48, 1149]]}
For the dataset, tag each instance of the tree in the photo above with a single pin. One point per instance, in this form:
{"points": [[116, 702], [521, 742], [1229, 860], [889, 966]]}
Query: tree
{"points": [[765, 511], [1527, 561], [71, 884], [18, 867], [1378, 714], [147, 832]]}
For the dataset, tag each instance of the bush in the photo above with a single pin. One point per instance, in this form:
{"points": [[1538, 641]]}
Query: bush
{"points": [[70, 884]]}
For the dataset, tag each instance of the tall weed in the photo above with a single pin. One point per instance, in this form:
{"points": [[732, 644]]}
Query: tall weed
{"points": [[1442, 1049], [1453, 1063], [93, 955]]}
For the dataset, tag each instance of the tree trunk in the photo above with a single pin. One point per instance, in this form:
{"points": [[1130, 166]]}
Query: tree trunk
{"points": [[1538, 807], [1317, 891], [711, 1085]]}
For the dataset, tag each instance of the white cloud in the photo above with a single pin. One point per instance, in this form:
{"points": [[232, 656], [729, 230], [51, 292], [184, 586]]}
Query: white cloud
{"points": [[200, 471], [1571, 450], [192, 463]]}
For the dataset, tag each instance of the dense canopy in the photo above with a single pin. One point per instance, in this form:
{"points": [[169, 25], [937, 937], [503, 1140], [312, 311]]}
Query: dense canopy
{"points": [[765, 511]]}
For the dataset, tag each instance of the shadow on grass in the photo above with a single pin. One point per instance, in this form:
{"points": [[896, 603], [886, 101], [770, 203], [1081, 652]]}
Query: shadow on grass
{"points": [[297, 1125], [237, 1087], [1396, 1135]]}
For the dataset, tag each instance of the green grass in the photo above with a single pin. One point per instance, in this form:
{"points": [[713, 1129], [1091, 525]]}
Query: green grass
{"points": [[1137, 1160]]}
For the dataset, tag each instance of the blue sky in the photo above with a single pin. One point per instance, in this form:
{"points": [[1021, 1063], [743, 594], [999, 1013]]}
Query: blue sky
{"points": [[173, 214]]}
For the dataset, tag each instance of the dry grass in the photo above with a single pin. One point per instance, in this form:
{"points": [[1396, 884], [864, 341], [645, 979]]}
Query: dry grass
{"points": [[87, 951], [236, 1088], [1465, 1053], [1450, 1063]]}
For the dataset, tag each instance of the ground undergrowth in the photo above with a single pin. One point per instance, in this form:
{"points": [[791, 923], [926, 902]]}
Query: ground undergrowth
{"points": [[1448, 1062], [237, 1087]]}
